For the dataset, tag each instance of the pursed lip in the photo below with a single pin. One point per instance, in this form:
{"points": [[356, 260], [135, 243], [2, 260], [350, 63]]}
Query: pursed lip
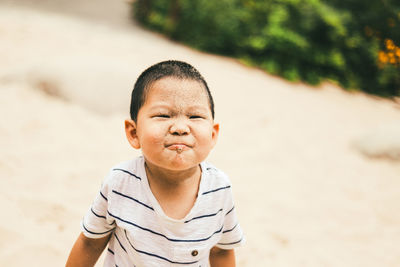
{"points": [[178, 146]]}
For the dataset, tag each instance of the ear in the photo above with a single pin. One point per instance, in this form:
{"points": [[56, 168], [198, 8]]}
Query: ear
{"points": [[215, 133], [130, 131]]}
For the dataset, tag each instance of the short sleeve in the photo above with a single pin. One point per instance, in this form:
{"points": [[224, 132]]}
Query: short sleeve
{"points": [[97, 222], [232, 234]]}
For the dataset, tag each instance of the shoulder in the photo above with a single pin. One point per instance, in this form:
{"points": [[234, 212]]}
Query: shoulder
{"points": [[215, 180], [214, 173], [125, 172]]}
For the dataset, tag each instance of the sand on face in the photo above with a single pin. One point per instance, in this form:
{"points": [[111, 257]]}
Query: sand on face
{"points": [[304, 195]]}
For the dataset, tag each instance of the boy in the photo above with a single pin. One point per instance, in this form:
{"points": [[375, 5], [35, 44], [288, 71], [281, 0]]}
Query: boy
{"points": [[167, 207]]}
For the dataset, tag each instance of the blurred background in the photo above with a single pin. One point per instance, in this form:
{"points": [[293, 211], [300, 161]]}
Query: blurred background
{"points": [[306, 92], [354, 43]]}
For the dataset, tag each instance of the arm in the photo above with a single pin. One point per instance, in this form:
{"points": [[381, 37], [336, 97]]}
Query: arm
{"points": [[86, 251], [222, 257]]}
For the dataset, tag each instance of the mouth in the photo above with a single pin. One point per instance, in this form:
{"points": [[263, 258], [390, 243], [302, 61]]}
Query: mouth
{"points": [[178, 147]]}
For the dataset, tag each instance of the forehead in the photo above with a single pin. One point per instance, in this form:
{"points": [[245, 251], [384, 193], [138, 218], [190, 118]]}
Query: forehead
{"points": [[175, 89]]}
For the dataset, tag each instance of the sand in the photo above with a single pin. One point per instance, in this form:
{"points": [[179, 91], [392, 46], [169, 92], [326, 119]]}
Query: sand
{"points": [[305, 193]]}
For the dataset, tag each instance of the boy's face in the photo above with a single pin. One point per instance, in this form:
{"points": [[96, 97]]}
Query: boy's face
{"points": [[174, 127]]}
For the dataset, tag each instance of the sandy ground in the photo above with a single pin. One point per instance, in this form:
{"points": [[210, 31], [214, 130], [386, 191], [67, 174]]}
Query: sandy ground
{"points": [[305, 195]]}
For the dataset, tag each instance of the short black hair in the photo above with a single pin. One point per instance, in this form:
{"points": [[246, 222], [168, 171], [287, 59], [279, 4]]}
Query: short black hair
{"points": [[169, 68]]}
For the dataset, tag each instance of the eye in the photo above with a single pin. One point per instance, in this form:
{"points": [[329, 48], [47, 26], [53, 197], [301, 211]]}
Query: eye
{"points": [[195, 117], [161, 116]]}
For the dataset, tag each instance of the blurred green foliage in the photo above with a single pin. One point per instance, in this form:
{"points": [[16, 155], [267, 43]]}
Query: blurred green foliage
{"points": [[355, 43]]}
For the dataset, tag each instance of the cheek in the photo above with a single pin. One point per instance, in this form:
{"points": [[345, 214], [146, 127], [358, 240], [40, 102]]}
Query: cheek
{"points": [[204, 135], [153, 138], [153, 135]]}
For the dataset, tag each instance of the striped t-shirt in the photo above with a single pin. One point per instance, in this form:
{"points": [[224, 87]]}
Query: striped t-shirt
{"points": [[142, 235]]}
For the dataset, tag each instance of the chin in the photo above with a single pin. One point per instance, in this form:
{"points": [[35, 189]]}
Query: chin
{"points": [[181, 165]]}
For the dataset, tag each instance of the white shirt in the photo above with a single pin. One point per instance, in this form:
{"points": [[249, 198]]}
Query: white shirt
{"points": [[143, 236]]}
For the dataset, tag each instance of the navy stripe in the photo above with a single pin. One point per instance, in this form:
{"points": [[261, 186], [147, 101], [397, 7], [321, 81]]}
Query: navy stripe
{"points": [[122, 170], [215, 190], [104, 217], [94, 233], [226, 231], [159, 234], [157, 256], [109, 250], [230, 210], [203, 216], [103, 196], [231, 242], [119, 242], [131, 198]]}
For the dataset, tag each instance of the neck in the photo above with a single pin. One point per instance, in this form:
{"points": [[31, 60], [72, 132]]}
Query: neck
{"points": [[172, 180], [175, 191]]}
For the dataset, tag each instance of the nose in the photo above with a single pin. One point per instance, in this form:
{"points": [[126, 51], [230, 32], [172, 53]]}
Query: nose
{"points": [[179, 127]]}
